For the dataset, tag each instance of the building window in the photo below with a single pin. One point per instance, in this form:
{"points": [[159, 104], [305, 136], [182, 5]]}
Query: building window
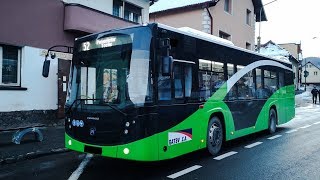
{"points": [[117, 8], [127, 11], [126, 15], [248, 46], [248, 18], [135, 17], [227, 6], [315, 73], [10, 57], [224, 35], [132, 13]]}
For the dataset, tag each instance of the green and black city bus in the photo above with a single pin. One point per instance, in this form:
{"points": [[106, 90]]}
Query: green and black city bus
{"points": [[154, 92]]}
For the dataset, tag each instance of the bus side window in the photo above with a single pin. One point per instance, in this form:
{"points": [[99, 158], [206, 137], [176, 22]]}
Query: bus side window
{"points": [[246, 89], [178, 81], [270, 81], [164, 86], [217, 80], [204, 85], [204, 79], [281, 79], [188, 80], [232, 94], [261, 92], [288, 78], [217, 77]]}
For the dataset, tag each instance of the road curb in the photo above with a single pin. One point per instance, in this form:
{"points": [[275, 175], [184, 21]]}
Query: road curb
{"points": [[32, 155]]}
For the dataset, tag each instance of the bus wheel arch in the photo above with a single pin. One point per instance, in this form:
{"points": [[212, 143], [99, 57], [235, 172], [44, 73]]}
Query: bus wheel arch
{"points": [[215, 133], [222, 120], [272, 119]]}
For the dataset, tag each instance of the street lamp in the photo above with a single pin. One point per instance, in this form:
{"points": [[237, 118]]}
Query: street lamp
{"points": [[259, 37]]}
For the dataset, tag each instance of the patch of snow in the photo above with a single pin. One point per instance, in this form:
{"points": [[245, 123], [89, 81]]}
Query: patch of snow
{"points": [[162, 5], [205, 35], [275, 51]]}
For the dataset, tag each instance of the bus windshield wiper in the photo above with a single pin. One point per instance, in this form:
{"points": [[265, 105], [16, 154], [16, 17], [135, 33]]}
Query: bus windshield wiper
{"points": [[70, 107], [109, 105]]}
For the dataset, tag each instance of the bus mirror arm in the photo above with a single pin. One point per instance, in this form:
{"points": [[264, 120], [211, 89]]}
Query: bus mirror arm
{"points": [[46, 63], [167, 60]]}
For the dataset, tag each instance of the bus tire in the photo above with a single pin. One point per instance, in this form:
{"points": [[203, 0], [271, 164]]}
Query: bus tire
{"points": [[214, 136], [272, 125]]}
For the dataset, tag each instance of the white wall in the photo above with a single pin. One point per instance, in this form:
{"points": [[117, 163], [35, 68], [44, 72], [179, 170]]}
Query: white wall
{"points": [[42, 93], [312, 78], [106, 6]]}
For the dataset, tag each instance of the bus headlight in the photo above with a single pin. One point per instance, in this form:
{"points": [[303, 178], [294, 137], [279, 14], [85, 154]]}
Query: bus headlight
{"points": [[126, 151], [127, 124]]}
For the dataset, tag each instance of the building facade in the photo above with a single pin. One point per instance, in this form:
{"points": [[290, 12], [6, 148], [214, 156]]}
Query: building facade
{"points": [[229, 19], [28, 30], [312, 66], [293, 48]]}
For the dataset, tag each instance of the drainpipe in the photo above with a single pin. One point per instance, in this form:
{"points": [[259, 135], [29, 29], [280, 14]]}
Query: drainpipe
{"points": [[211, 19]]}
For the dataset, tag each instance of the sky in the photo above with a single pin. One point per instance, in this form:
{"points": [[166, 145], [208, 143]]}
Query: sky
{"points": [[292, 21]]}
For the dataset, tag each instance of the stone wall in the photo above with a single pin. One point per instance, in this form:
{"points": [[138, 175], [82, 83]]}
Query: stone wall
{"points": [[22, 119]]}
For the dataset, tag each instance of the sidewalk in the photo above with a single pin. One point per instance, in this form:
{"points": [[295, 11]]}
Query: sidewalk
{"points": [[304, 98], [29, 148]]}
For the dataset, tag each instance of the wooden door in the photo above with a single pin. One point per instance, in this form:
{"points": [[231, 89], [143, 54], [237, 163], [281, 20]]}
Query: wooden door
{"points": [[63, 78]]}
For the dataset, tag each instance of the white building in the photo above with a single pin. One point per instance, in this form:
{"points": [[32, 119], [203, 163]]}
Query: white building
{"points": [[28, 29], [313, 68]]}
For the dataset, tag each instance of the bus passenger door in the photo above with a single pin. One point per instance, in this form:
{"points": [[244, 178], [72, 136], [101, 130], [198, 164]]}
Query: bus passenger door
{"points": [[174, 109]]}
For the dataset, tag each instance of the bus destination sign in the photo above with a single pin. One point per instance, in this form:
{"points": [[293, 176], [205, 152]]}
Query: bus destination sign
{"points": [[105, 42]]}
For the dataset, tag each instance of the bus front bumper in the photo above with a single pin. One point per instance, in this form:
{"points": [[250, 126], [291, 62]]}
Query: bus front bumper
{"points": [[137, 151]]}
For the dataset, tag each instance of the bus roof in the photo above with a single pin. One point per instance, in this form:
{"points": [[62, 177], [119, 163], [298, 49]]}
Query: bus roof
{"points": [[211, 38], [197, 34]]}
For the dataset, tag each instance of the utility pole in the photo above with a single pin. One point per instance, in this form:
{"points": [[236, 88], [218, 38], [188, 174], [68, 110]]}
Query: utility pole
{"points": [[305, 74]]}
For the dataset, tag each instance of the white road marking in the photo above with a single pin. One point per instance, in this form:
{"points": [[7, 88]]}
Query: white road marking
{"points": [[183, 172], [291, 131], [253, 145], [76, 174], [225, 155], [317, 122], [303, 127], [274, 137]]}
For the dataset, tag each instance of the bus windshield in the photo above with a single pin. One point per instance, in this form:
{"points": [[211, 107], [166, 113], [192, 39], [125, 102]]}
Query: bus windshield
{"points": [[112, 69]]}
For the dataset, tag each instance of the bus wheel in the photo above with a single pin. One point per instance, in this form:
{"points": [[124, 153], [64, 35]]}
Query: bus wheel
{"points": [[214, 136], [272, 121]]}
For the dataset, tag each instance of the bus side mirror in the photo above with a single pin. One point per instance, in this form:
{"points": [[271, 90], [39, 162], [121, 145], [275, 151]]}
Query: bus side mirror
{"points": [[167, 63], [46, 68]]}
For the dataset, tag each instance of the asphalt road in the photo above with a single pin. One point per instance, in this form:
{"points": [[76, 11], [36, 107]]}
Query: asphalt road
{"points": [[291, 153]]}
